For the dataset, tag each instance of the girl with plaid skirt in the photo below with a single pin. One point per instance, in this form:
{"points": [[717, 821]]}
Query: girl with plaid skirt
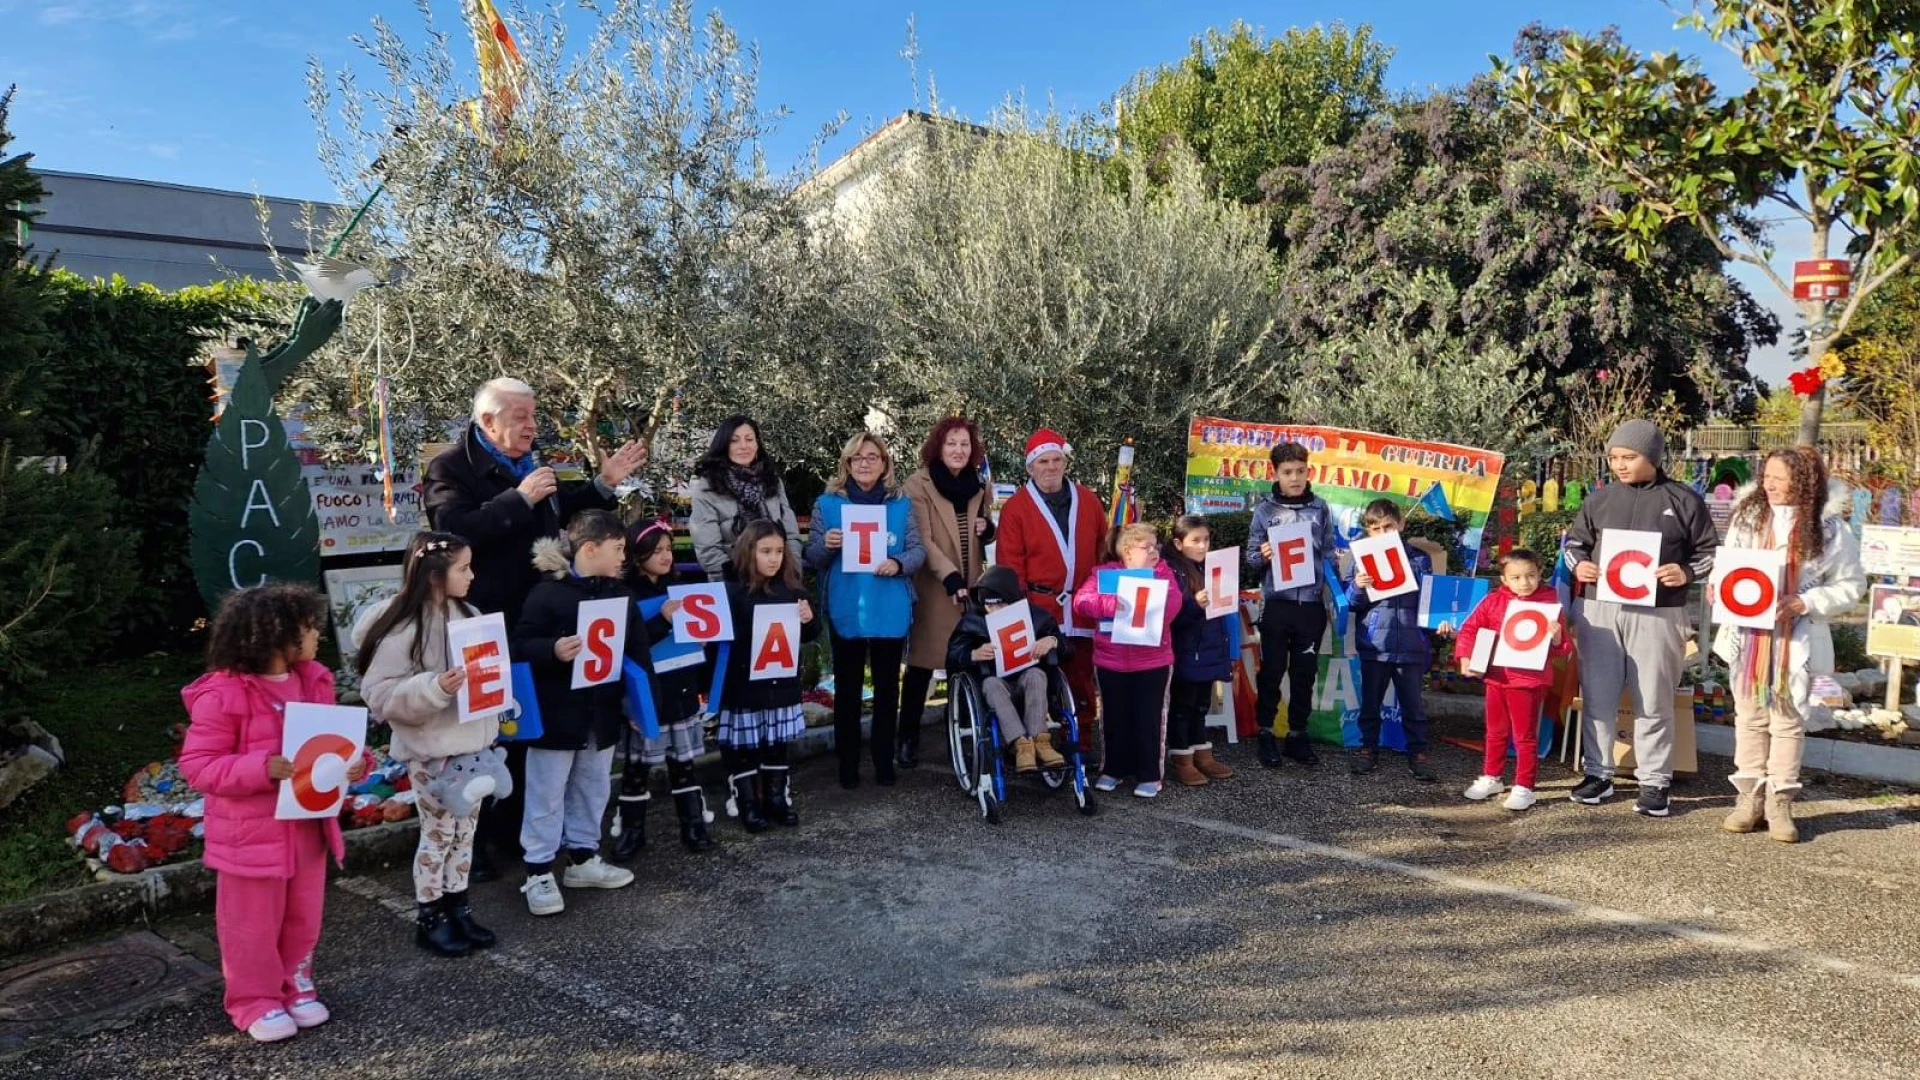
{"points": [[680, 675], [759, 717]]}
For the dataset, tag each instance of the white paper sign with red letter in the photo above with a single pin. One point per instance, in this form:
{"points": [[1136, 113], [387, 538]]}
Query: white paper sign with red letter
{"points": [[322, 741], [1293, 562], [704, 616], [1526, 635], [1223, 582], [602, 628], [863, 538], [1384, 559], [776, 642], [478, 646], [1010, 630], [1628, 559], [1746, 586], [1142, 608]]}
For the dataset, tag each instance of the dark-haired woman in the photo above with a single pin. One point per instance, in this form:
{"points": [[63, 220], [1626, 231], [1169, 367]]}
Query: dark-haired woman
{"points": [[1793, 510], [950, 502], [736, 482]]}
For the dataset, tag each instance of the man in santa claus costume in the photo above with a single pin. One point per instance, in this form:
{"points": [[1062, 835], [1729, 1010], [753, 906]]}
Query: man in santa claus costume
{"points": [[1051, 533]]}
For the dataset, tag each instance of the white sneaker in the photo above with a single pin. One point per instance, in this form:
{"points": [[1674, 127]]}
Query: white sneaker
{"points": [[273, 1027], [543, 895], [595, 873], [309, 1013], [1106, 783], [1147, 790], [1485, 788], [1519, 798]]}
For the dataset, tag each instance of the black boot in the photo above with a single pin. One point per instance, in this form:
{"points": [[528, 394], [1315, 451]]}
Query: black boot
{"points": [[745, 803], [691, 804], [483, 869], [460, 914], [907, 754], [1299, 751], [778, 790], [1269, 749], [633, 828], [436, 933]]}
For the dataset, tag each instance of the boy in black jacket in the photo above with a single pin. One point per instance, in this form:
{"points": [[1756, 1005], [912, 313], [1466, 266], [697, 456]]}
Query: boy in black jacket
{"points": [[1621, 642], [1024, 729], [569, 767]]}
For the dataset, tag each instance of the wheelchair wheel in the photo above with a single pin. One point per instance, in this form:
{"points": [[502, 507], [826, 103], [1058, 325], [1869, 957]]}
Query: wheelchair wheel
{"points": [[1083, 798], [1055, 779], [964, 724], [989, 806]]}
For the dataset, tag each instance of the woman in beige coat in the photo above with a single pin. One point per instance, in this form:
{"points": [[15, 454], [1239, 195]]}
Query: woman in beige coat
{"points": [[950, 510]]}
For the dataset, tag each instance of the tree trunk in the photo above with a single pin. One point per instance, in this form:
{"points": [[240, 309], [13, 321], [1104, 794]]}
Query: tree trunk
{"points": [[1811, 409]]}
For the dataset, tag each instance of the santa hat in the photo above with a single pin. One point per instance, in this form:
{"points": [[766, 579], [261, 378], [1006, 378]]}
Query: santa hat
{"points": [[1046, 441]]}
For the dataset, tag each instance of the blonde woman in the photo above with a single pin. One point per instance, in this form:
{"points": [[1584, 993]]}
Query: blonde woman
{"points": [[868, 613]]}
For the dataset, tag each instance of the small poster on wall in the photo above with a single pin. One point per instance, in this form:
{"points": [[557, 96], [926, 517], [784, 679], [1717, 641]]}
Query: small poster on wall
{"points": [[1893, 622]]}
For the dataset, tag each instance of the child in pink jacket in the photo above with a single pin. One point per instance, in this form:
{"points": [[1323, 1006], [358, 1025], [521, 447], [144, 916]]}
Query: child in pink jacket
{"points": [[272, 873], [1133, 678]]}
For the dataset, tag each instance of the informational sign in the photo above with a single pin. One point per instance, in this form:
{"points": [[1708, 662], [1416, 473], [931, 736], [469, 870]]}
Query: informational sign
{"points": [[1142, 611], [602, 628], [1628, 559], [1746, 586], [322, 741], [1526, 635], [1010, 631], [776, 642], [1228, 469], [863, 538], [478, 646], [1222, 575], [1292, 564], [704, 615], [1822, 279], [351, 593], [1384, 559], [1893, 622], [1890, 551]]}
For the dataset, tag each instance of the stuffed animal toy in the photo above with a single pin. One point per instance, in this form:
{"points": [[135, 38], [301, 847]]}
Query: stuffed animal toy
{"points": [[470, 778]]}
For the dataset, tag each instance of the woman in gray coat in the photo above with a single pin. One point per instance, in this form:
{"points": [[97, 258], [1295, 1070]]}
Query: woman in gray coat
{"points": [[736, 482]]}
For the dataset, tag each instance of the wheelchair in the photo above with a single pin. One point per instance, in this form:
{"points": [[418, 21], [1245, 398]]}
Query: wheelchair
{"points": [[983, 766]]}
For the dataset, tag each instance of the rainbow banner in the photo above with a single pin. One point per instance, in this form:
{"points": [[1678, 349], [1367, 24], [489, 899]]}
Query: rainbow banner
{"points": [[1228, 470]]}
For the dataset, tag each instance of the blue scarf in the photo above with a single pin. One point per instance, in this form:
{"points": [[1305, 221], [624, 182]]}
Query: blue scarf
{"points": [[521, 467]]}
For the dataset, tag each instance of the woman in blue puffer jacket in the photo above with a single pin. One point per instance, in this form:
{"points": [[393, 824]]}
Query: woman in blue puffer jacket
{"points": [[1203, 651], [1393, 650], [869, 613]]}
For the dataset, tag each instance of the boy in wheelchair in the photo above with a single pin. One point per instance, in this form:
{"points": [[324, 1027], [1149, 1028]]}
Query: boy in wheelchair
{"points": [[1023, 729]]}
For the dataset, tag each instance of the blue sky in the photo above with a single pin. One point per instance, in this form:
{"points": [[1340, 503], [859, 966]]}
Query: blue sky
{"points": [[212, 92]]}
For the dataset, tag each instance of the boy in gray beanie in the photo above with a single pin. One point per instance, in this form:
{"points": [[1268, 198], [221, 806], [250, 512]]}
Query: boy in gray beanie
{"points": [[1635, 646]]}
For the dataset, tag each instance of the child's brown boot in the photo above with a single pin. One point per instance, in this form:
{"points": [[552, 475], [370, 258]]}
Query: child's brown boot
{"points": [[1049, 757], [1210, 766], [1023, 756], [1180, 769]]}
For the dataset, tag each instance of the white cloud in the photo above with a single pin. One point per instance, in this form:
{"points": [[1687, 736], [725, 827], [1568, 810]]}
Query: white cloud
{"points": [[60, 15]]}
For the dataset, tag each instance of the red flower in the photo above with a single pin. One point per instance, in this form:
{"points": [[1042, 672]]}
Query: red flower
{"points": [[1808, 382]]}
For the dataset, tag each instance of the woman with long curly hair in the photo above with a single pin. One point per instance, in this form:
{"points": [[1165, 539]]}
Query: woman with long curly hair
{"points": [[1794, 509]]}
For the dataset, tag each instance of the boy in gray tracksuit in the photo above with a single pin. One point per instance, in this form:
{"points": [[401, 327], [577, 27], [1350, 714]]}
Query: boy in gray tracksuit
{"points": [[1628, 646]]}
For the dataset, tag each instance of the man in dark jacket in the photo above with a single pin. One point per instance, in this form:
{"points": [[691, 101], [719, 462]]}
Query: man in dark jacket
{"points": [[1629, 646], [491, 490]]}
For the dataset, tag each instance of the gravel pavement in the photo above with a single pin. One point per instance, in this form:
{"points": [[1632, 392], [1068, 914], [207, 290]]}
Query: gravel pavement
{"points": [[1284, 924]]}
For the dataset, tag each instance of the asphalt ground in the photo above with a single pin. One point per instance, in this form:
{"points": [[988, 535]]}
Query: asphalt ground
{"points": [[1286, 923]]}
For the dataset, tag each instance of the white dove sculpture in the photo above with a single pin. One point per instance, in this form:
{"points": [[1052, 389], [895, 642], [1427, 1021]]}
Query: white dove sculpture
{"points": [[335, 279]]}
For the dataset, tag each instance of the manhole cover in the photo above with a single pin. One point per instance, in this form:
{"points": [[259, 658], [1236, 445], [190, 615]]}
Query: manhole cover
{"points": [[94, 983]]}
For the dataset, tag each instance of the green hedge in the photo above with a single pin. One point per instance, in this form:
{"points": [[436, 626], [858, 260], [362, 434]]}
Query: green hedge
{"points": [[123, 379], [64, 573]]}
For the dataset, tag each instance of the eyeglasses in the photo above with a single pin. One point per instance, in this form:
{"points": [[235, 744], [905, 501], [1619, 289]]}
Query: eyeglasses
{"points": [[866, 459]]}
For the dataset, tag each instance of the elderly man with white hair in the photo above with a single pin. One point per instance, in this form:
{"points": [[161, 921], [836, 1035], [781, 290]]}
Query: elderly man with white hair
{"points": [[491, 490]]}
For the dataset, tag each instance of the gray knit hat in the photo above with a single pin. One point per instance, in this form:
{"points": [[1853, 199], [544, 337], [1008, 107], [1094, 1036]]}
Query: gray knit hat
{"points": [[1641, 437]]}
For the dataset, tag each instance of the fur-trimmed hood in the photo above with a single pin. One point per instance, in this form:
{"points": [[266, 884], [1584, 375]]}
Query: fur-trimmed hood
{"points": [[550, 557]]}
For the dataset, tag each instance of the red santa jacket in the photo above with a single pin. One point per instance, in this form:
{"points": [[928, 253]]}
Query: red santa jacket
{"points": [[1052, 564]]}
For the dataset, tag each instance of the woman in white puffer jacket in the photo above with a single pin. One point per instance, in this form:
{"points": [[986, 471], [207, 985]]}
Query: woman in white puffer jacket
{"points": [[1796, 510]]}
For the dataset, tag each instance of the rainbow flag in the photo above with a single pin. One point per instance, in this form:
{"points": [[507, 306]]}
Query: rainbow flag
{"points": [[1124, 510], [500, 64]]}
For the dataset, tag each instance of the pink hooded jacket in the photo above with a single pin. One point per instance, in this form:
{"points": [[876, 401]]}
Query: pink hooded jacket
{"points": [[1090, 603], [235, 730]]}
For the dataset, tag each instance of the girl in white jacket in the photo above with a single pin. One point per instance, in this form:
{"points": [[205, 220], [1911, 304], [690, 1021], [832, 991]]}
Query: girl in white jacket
{"points": [[407, 684], [1793, 510]]}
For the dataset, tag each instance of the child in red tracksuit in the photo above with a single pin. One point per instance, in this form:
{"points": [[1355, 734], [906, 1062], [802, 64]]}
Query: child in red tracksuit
{"points": [[272, 874], [1515, 696], [1133, 678]]}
